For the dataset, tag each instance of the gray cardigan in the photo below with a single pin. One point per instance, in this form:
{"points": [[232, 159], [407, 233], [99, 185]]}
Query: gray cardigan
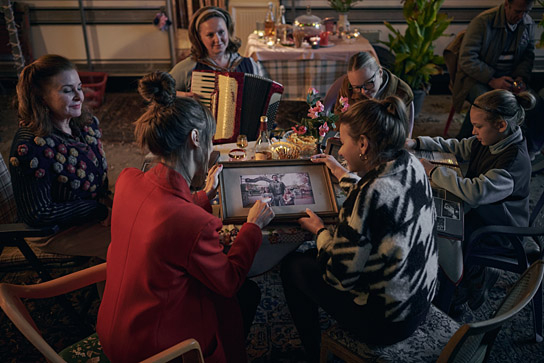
{"points": [[496, 186]]}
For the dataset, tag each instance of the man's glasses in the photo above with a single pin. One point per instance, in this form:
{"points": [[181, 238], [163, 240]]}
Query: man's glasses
{"points": [[367, 86]]}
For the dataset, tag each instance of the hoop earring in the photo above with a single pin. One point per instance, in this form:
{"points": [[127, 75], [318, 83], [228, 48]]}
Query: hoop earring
{"points": [[363, 157]]}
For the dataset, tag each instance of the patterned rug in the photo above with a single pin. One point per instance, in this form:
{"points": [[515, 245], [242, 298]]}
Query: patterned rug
{"points": [[273, 337]]}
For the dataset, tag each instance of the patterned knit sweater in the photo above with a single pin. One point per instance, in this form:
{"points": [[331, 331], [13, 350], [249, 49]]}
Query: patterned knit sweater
{"points": [[58, 179], [383, 249]]}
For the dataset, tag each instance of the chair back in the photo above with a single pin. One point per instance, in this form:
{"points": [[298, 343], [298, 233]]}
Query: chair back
{"points": [[15, 310], [451, 56], [537, 221], [8, 209], [473, 341]]}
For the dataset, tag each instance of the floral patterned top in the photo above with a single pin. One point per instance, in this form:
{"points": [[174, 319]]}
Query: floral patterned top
{"points": [[59, 178]]}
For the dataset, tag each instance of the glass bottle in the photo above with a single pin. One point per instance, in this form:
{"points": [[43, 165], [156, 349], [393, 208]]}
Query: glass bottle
{"points": [[270, 24], [263, 146], [281, 26]]}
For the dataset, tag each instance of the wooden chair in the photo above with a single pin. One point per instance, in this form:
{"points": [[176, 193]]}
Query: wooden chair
{"points": [[10, 302], [439, 337], [15, 253]]}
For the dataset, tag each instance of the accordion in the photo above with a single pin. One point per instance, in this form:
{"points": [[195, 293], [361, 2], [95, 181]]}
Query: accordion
{"points": [[237, 101]]}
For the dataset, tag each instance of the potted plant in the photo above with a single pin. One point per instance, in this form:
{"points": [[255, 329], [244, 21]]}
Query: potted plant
{"points": [[415, 61]]}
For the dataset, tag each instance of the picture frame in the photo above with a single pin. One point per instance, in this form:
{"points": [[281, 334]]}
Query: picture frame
{"points": [[305, 185], [332, 148]]}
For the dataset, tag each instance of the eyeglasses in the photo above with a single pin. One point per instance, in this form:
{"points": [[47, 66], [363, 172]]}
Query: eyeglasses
{"points": [[367, 86]]}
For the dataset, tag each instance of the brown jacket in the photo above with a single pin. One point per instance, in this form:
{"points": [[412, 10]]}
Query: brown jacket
{"points": [[394, 87]]}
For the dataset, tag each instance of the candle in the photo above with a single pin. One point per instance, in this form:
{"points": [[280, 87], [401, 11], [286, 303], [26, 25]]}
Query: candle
{"points": [[314, 42], [270, 43]]}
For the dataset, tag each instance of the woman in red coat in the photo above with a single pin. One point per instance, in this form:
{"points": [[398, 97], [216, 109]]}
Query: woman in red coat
{"points": [[168, 278]]}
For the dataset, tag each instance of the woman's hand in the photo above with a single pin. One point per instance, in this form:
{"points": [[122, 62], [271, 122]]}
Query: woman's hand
{"points": [[428, 166], [261, 214], [410, 144], [212, 181], [312, 223], [335, 167]]}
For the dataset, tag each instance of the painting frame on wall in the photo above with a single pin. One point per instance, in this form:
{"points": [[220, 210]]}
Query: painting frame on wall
{"points": [[289, 186]]}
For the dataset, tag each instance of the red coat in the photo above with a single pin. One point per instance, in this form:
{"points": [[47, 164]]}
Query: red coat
{"points": [[167, 276]]}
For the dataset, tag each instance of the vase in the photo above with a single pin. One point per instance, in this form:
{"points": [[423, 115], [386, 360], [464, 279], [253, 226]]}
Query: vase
{"points": [[342, 25]]}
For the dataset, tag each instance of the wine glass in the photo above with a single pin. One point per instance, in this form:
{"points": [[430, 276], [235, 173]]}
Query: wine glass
{"points": [[241, 141]]}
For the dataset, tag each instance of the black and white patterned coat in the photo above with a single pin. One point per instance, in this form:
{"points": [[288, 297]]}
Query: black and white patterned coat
{"points": [[383, 249]]}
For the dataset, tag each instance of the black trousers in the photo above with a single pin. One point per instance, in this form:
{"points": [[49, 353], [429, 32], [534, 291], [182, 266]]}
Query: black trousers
{"points": [[249, 297], [305, 291], [232, 311]]}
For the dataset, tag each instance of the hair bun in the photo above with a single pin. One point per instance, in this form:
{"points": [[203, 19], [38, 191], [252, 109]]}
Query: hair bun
{"points": [[526, 100], [158, 87]]}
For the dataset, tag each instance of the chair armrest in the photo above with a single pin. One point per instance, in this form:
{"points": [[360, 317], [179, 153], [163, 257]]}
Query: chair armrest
{"points": [[175, 351], [478, 234], [505, 230], [61, 285], [22, 230]]}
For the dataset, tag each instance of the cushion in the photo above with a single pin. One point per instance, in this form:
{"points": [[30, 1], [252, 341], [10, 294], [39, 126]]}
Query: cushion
{"points": [[8, 211], [425, 345], [84, 351]]}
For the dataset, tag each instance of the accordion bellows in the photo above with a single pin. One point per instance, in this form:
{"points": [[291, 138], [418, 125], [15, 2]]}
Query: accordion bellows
{"points": [[237, 101]]}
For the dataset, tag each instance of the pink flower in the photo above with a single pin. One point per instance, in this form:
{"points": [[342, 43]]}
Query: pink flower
{"points": [[301, 130], [344, 103], [312, 91], [319, 106], [323, 129], [313, 112]]}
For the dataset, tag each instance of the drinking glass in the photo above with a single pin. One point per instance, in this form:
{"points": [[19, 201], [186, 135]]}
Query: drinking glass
{"points": [[241, 141]]}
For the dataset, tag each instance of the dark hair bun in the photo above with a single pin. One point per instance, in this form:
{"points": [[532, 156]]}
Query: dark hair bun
{"points": [[158, 87], [526, 100]]}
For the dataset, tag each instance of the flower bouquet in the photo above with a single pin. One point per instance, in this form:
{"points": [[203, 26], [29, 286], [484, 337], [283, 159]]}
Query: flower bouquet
{"points": [[342, 6], [311, 130]]}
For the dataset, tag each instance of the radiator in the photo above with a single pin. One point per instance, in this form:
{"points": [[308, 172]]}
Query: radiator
{"points": [[245, 17]]}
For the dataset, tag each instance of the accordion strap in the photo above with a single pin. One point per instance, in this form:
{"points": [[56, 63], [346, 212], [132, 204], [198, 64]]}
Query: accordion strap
{"points": [[233, 64]]}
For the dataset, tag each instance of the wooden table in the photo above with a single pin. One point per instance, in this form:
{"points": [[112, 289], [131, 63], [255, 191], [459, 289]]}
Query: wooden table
{"points": [[298, 69]]}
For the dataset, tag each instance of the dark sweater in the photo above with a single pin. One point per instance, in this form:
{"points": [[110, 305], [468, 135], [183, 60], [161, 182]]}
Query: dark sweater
{"points": [[58, 179]]}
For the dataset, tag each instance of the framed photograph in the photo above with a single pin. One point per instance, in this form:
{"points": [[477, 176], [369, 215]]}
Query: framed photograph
{"points": [[290, 186]]}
